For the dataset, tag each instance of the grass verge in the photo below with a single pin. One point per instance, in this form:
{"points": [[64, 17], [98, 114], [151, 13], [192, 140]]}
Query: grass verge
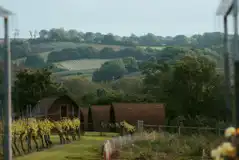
{"points": [[87, 148], [171, 147]]}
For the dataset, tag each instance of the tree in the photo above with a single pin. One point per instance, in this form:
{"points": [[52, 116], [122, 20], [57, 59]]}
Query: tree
{"points": [[131, 64], [129, 85], [89, 37], [196, 88], [35, 34], [57, 34], [35, 62], [31, 86], [191, 87], [31, 34], [73, 35], [43, 34], [16, 33], [109, 71]]}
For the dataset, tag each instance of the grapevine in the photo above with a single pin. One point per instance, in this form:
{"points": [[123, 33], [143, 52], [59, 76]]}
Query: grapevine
{"points": [[122, 125], [29, 134], [129, 128]]}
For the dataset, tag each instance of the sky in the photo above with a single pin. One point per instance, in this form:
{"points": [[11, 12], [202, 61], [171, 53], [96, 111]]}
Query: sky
{"points": [[120, 17]]}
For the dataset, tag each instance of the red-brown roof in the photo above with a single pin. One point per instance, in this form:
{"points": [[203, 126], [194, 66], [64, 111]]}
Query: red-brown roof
{"points": [[100, 113], [150, 113]]}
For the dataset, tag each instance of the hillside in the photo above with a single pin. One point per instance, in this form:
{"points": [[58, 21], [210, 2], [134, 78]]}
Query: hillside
{"points": [[38, 48], [70, 59], [82, 55]]}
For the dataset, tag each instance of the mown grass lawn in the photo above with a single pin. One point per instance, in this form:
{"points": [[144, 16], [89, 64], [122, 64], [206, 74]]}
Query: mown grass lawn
{"points": [[87, 148]]}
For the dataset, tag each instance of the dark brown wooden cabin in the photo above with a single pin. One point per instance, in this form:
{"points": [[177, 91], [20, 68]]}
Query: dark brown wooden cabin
{"points": [[100, 114], [84, 118], [56, 108], [150, 113]]}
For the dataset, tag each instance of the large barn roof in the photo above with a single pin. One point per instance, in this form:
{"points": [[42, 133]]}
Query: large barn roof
{"points": [[150, 113], [100, 113]]}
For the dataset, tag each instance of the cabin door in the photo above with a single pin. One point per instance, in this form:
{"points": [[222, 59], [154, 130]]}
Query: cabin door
{"points": [[63, 111]]}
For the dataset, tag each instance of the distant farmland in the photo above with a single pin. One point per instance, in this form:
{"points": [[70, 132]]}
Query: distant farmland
{"points": [[56, 46], [77, 65], [153, 47]]}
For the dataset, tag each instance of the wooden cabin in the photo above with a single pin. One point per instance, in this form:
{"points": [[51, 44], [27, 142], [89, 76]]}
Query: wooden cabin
{"points": [[56, 108]]}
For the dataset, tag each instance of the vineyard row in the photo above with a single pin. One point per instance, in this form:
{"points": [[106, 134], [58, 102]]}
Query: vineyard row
{"points": [[30, 132]]}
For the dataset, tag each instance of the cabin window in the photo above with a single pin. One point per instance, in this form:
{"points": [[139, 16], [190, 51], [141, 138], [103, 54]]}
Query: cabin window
{"points": [[64, 111]]}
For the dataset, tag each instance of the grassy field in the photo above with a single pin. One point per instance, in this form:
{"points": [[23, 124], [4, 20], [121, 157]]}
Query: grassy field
{"points": [[84, 64], [87, 148], [153, 47], [51, 46], [78, 68], [86, 74]]}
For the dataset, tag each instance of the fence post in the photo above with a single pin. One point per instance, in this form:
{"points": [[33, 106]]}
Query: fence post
{"points": [[219, 132], [179, 130], [140, 126]]}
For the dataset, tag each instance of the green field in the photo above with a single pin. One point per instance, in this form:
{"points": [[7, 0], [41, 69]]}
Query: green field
{"points": [[77, 65], [56, 46], [87, 148], [75, 74], [153, 47], [78, 68]]}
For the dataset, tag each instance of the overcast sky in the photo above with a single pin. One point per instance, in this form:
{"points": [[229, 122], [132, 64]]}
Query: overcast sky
{"points": [[122, 17]]}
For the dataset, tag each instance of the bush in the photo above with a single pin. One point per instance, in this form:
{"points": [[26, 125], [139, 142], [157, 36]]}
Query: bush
{"points": [[35, 62], [109, 71]]}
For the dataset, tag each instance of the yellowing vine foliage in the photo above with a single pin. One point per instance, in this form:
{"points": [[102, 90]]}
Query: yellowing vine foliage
{"points": [[26, 131]]}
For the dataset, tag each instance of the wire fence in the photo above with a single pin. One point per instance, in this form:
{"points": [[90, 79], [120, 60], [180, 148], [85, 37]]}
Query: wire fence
{"points": [[183, 129], [112, 148]]}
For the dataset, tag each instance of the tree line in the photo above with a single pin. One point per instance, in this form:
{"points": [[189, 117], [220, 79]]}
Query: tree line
{"points": [[21, 48], [115, 69], [140, 54], [149, 39]]}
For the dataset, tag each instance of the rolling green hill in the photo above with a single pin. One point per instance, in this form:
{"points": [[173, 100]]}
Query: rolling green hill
{"points": [[56, 46], [72, 59]]}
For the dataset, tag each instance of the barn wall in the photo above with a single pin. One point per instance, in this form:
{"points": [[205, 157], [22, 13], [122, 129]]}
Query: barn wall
{"points": [[150, 113], [84, 112], [100, 114]]}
